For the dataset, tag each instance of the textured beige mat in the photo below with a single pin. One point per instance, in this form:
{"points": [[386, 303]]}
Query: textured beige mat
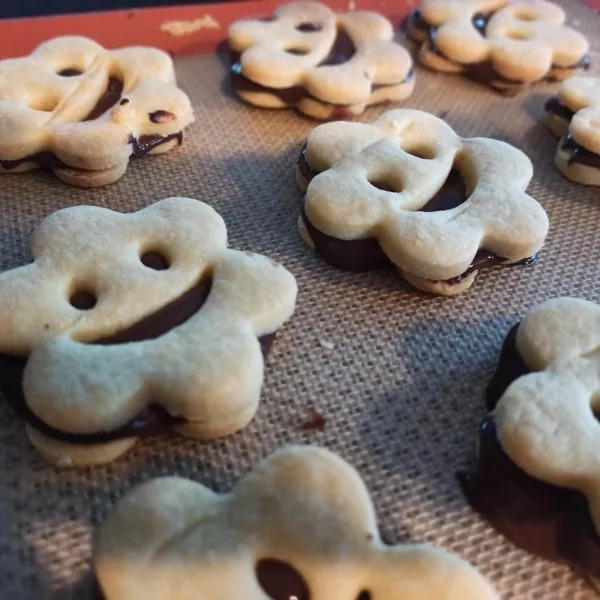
{"points": [[401, 388]]}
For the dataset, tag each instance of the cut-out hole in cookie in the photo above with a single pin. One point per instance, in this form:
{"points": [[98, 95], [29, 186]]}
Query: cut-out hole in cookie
{"points": [[108, 99], [515, 34], [280, 581], [420, 150], [386, 185], [309, 27], [70, 72], [47, 104], [364, 595], [453, 193], [297, 51], [153, 259], [523, 14], [83, 299], [173, 314]]}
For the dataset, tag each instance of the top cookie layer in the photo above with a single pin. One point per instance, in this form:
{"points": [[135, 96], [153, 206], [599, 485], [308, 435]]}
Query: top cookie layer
{"points": [[546, 421], [294, 48], [301, 525], [87, 105]]}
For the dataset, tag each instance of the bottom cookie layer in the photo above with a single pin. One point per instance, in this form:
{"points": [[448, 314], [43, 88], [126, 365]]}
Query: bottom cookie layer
{"points": [[577, 163]]}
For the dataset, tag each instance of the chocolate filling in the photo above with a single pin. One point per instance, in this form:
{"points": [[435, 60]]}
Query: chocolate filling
{"points": [[152, 420], [579, 154], [70, 72], [341, 52], [108, 99], [544, 519], [484, 72], [554, 106], [145, 143], [280, 581]]}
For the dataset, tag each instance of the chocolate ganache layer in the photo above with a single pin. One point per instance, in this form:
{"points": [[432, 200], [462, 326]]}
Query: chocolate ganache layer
{"points": [[544, 519], [342, 51], [110, 97], [152, 420], [554, 106], [484, 72], [579, 154], [366, 254]]}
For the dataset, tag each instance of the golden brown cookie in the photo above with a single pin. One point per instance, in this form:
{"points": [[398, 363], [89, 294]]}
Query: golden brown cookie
{"points": [[83, 111], [300, 526], [326, 65], [127, 325], [407, 190]]}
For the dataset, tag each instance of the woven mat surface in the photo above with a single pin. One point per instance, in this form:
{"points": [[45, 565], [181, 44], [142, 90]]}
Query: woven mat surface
{"points": [[401, 390]]}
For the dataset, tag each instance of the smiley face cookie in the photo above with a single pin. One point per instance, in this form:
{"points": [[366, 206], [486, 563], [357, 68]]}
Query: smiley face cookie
{"points": [[126, 325], [407, 190], [82, 111], [324, 64], [574, 116], [301, 525], [537, 479], [503, 44]]}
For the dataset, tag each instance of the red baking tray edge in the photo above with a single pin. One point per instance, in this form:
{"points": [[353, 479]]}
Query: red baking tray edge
{"points": [[143, 26]]}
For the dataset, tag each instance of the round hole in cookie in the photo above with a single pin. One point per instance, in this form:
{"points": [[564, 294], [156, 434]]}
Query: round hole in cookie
{"points": [[153, 259], [69, 72], [364, 595], [515, 34], [297, 51], [385, 185], [420, 151], [280, 581], [309, 27], [83, 299], [524, 14]]}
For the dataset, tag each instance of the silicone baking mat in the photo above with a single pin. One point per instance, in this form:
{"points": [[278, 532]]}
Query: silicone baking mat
{"points": [[398, 375]]}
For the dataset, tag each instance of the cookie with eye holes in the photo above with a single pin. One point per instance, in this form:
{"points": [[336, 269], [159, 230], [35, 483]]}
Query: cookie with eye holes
{"points": [[574, 116], [128, 325], [300, 525], [324, 64], [538, 473], [83, 111], [504, 44], [408, 190]]}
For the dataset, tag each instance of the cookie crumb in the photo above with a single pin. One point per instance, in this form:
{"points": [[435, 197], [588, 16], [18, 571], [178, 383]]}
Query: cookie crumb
{"points": [[182, 28], [326, 344]]}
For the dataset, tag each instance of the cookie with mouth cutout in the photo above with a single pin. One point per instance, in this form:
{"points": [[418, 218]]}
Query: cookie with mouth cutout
{"points": [[126, 325], [326, 65], [408, 190], [537, 474], [506, 45], [574, 116], [300, 525], [82, 111]]}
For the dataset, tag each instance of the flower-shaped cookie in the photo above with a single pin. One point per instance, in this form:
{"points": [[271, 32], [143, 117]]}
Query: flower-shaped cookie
{"points": [[82, 111], [574, 116], [325, 65], [407, 189], [126, 324], [301, 525], [501, 43], [538, 479]]}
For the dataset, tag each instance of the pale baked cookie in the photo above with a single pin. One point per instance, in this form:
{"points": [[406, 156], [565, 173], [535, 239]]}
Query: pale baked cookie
{"points": [[574, 116], [503, 44], [326, 65], [126, 325], [407, 190], [537, 479], [301, 525], [82, 111]]}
